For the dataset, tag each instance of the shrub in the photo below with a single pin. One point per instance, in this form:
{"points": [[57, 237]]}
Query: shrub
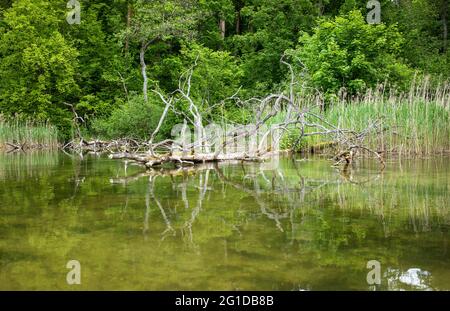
{"points": [[134, 119]]}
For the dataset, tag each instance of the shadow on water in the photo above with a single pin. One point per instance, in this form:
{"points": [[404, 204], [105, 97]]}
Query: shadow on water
{"points": [[290, 224]]}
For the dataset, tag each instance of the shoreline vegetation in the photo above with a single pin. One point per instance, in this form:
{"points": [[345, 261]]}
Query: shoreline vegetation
{"points": [[414, 123], [27, 135], [323, 76]]}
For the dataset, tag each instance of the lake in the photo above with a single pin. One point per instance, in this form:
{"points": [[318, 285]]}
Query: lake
{"points": [[290, 224]]}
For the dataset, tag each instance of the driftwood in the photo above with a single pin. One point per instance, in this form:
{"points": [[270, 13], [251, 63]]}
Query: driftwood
{"points": [[151, 161], [15, 147]]}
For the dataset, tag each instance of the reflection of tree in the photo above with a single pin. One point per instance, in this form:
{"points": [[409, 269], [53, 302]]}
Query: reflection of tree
{"points": [[330, 222], [335, 218], [255, 192], [277, 196], [151, 196], [203, 187]]}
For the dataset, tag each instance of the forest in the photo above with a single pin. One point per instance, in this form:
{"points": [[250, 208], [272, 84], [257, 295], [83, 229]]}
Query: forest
{"points": [[103, 69]]}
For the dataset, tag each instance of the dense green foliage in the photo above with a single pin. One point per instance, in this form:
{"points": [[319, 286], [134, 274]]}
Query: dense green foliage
{"points": [[347, 52], [134, 119], [38, 65], [125, 48]]}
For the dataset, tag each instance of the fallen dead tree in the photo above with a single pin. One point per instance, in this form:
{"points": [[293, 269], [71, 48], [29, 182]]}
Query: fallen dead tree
{"points": [[125, 145], [251, 142]]}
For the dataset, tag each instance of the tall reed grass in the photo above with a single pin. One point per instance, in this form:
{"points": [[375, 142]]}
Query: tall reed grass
{"points": [[416, 122], [31, 135]]}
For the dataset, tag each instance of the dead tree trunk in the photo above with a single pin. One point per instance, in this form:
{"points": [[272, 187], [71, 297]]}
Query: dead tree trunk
{"points": [[222, 28], [144, 71]]}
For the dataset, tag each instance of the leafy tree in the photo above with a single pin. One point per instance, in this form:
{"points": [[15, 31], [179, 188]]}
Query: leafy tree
{"points": [[268, 28], [4, 4], [134, 119], [37, 64], [122, 46], [423, 24], [215, 22], [217, 76], [160, 20], [348, 52], [102, 68]]}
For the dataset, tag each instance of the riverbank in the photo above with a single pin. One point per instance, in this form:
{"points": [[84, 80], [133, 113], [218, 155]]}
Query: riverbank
{"points": [[411, 126]]}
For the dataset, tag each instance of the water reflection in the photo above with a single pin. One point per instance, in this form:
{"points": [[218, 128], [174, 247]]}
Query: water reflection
{"points": [[413, 278], [279, 191], [299, 224]]}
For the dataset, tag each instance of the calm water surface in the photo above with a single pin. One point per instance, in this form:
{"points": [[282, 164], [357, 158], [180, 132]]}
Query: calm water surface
{"points": [[295, 225]]}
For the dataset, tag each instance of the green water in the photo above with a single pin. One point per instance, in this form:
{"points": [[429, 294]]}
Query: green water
{"points": [[295, 225]]}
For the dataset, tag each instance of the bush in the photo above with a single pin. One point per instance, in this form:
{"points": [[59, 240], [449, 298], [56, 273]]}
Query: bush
{"points": [[134, 119]]}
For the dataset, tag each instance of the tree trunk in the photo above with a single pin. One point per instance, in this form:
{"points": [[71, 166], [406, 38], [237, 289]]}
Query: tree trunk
{"points": [[238, 22], [222, 28], [320, 8], [127, 39], [144, 70], [445, 24]]}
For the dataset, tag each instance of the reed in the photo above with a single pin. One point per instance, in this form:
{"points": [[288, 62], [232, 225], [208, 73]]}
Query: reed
{"points": [[28, 134], [416, 122]]}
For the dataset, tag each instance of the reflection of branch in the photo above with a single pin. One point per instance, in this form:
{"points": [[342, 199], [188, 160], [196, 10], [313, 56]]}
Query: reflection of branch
{"points": [[183, 193], [181, 171], [153, 173], [147, 208], [169, 228], [255, 193], [262, 186], [279, 185], [347, 176], [151, 195], [203, 187]]}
